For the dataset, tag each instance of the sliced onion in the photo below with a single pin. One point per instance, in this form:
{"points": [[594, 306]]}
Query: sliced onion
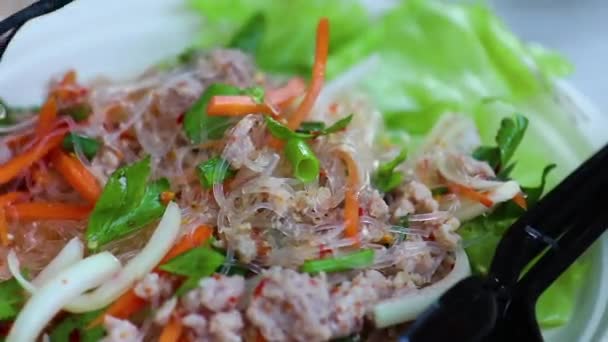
{"points": [[161, 241], [469, 209], [15, 268], [408, 307], [57, 292], [71, 253]]}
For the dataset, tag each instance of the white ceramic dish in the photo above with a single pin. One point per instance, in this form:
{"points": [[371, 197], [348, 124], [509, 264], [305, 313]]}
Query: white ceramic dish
{"points": [[119, 39]]}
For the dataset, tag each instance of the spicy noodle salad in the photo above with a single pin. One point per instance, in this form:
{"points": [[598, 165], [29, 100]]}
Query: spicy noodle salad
{"points": [[208, 200]]}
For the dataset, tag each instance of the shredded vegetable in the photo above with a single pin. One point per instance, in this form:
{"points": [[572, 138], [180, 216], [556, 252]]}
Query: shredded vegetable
{"points": [[77, 175], [303, 160], [351, 261]]}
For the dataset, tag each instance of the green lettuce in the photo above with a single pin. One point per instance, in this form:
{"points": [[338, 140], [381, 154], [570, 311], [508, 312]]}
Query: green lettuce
{"points": [[434, 56]]}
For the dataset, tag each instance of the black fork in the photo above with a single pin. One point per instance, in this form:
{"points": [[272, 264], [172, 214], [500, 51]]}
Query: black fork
{"points": [[561, 227]]}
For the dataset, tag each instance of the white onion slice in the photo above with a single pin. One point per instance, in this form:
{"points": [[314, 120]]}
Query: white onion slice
{"points": [[161, 241], [15, 268], [71, 253], [453, 131], [408, 307], [51, 297], [469, 209]]}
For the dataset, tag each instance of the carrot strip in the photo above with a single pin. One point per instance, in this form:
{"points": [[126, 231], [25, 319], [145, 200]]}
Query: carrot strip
{"points": [[351, 201], [11, 197], [129, 303], [201, 234], [471, 194], [47, 211], [76, 175], [237, 106], [16, 165], [69, 78], [283, 97], [47, 117], [318, 75], [4, 228], [172, 331], [520, 200], [125, 306]]}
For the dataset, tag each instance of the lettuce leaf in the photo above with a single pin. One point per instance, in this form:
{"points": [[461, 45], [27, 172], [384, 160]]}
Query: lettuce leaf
{"points": [[435, 56]]}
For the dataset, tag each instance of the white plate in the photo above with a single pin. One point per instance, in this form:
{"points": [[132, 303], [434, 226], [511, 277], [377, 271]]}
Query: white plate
{"points": [[120, 39]]}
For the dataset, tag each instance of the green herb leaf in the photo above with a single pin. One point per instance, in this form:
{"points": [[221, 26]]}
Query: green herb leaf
{"points": [[78, 112], [250, 36], [508, 138], [256, 93], [78, 324], [386, 179], [355, 260], [12, 298], [311, 127], [283, 132], [280, 131], [88, 146], [200, 127], [126, 204], [338, 126], [195, 264], [214, 171]]}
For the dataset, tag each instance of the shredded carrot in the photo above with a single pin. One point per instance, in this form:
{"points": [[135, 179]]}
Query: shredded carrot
{"points": [[18, 164], [47, 117], [47, 211], [11, 197], [77, 175], [351, 202], [283, 97], [237, 106], [520, 200], [4, 238], [201, 234], [125, 306], [167, 196], [259, 337], [471, 194], [69, 78], [318, 75], [172, 331], [129, 303]]}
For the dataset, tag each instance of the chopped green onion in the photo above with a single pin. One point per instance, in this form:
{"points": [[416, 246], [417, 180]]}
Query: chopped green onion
{"points": [[214, 171], [88, 146], [355, 260], [303, 160]]}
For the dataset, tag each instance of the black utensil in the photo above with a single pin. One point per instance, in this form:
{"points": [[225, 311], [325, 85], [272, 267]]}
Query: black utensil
{"points": [[501, 306], [12, 24]]}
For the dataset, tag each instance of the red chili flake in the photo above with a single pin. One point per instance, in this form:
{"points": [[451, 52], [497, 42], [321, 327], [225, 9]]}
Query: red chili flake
{"points": [[217, 276], [257, 292], [432, 237], [333, 108], [313, 282], [180, 119], [166, 197], [232, 300], [361, 211], [324, 251]]}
